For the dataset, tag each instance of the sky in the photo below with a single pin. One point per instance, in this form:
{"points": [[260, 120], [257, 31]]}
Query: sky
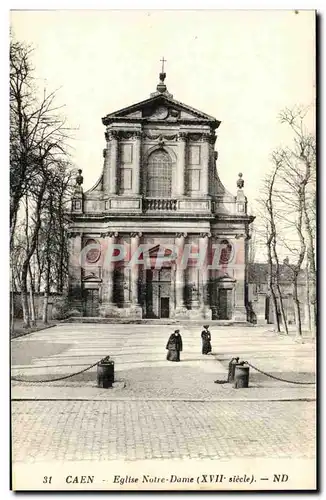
{"points": [[243, 67]]}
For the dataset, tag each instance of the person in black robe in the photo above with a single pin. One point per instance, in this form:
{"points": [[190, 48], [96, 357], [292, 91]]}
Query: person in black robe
{"points": [[206, 341], [174, 346]]}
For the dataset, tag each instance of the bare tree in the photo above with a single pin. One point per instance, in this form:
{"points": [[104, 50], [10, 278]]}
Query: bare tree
{"points": [[266, 233], [296, 171], [38, 148], [301, 165]]}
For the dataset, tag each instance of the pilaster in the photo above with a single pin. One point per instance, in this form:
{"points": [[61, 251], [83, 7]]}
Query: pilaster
{"points": [[134, 275], [180, 308], [113, 137], [75, 277], [204, 240], [179, 189], [136, 169], [107, 306]]}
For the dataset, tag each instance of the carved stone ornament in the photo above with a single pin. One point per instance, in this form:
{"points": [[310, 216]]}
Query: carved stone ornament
{"points": [[182, 136], [160, 113], [202, 137], [112, 134], [130, 134], [239, 236], [205, 235], [160, 136], [135, 235], [240, 181], [181, 235], [110, 234]]}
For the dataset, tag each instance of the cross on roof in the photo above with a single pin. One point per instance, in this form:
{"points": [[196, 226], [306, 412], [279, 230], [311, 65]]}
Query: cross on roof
{"points": [[163, 61]]}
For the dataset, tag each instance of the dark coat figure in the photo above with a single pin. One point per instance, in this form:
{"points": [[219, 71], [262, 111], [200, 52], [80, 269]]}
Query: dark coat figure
{"points": [[206, 341], [174, 346]]}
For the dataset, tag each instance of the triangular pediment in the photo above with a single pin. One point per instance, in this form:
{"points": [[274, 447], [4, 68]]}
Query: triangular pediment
{"points": [[160, 107], [157, 251]]}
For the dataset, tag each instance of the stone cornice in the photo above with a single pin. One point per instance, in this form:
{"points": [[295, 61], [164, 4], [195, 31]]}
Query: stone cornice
{"points": [[202, 137], [110, 234], [182, 121], [123, 134]]}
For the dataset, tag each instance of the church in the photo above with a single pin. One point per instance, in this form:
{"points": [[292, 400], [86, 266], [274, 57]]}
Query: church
{"points": [[159, 190]]}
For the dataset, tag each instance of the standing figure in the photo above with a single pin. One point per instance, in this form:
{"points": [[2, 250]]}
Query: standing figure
{"points": [[206, 340], [174, 346]]}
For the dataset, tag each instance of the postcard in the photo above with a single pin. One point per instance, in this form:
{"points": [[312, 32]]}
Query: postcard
{"points": [[163, 305]]}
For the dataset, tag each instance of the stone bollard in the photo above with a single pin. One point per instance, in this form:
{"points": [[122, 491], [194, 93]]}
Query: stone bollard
{"points": [[105, 373], [241, 377]]}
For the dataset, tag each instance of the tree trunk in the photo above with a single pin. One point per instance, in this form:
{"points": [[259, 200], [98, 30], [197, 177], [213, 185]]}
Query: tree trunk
{"points": [[24, 299], [31, 298], [46, 292], [310, 271], [296, 304], [308, 304], [12, 304], [271, 287], [278, 288], [45, 307]]}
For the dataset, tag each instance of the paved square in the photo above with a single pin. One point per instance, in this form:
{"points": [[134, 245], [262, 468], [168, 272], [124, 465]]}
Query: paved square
{"points": [[160, 409]]}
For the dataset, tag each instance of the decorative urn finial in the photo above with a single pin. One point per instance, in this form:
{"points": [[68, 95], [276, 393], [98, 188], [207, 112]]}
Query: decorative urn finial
{"points": [[240, 181], [79, 182], [79, 178]]}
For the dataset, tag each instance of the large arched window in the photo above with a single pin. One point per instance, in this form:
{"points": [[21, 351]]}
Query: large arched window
{"points": [[159, 175]]}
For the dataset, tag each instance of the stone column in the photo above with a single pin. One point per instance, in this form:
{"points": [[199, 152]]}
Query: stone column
{"points": [[75, 272], [240, 310], [113, 136], [108, 275], [106, 166], [136, 169], [204, 275], [205, 165], [134, 276], [181, 164], [179, 275]]}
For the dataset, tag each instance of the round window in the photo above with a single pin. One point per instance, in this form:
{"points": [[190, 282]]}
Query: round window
{"points": [[94, 252]]}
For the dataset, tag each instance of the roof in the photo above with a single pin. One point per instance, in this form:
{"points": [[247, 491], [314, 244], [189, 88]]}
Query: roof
{"points": [[258, 273], [158, 98]]}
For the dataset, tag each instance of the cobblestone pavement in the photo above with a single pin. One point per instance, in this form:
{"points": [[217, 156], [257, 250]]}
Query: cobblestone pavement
{"points": [[139, 355], [112, 430], [159, 409]]}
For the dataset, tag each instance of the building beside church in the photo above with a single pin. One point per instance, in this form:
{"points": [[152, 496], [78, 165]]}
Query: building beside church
{"points": [[159, 188]]}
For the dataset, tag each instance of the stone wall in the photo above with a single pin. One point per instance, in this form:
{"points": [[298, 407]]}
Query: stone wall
{"points": [[55, 308]]}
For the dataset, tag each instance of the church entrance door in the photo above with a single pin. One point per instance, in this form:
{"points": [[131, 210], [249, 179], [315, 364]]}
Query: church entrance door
{"points": [[158, 286], [225, 303], [165, 307], [91, 302]]}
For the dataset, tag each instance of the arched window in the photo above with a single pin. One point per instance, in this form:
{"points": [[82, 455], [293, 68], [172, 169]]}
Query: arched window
{"points": [[159, 175]]}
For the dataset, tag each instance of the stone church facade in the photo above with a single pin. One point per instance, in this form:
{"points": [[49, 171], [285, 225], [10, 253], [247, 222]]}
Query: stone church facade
{"points": [[160, 189]]}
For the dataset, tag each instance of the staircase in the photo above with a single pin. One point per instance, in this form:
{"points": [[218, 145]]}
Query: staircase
{"points": [[148, 321]]}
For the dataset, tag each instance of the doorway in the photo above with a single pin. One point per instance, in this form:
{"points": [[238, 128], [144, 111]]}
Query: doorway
{"points": [[157, 293], [165, 307], [91, 302], [225, 303]]}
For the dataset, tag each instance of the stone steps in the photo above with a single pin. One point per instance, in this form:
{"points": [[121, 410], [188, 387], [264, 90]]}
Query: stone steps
{"points": [[163, 321]]}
